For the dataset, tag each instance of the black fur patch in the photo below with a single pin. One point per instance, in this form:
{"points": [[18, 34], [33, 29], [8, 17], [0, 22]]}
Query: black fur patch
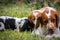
{"points": [[10, 24], [27, 26], [1, 20]]}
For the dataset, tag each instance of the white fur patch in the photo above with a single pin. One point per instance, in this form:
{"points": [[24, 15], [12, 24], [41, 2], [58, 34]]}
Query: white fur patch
{"points": [[56, 34], [22, 23], [51, 8], [19, 20], [35, 13], [42, 10], [34, 22], [40, 31], [48, 14], [2, 27], [49, 37], [5, 17], [37, 31]]}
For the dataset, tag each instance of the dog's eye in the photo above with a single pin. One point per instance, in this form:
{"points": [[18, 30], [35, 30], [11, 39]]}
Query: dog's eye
{"points": [[45, 22], [33, 18], [53, 20]]}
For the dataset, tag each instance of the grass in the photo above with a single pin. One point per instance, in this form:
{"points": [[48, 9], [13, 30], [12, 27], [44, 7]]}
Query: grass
{"points": [[11, 35], [18, 10], [15, 10]]}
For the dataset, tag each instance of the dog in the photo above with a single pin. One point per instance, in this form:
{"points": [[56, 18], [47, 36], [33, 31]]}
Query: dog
{"points": [[22, 24], [46, 18]]}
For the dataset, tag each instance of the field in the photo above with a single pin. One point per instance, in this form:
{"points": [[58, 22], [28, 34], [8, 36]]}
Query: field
{"points": [[18, 10]]}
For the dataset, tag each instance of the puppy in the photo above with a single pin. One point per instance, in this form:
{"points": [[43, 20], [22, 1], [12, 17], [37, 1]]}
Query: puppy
{"points": [[22, 24]]}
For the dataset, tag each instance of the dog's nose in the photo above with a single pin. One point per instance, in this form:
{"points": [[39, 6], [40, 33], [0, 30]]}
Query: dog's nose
{"points": [[50, 28], [50, 31]]}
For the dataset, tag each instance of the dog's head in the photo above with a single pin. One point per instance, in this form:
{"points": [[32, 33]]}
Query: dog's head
{"points": [[48, 19]]}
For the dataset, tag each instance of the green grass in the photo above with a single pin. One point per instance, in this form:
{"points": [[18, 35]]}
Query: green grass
{"points": [[18, 10], [12, 35], [15, 10]]}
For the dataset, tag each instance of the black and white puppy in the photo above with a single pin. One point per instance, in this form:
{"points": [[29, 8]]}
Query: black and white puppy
{"points": [[22, 24]]}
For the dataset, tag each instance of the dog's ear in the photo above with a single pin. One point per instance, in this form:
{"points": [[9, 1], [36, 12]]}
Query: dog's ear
{"points": [[30, 17], [57, 18], [38, 21]]}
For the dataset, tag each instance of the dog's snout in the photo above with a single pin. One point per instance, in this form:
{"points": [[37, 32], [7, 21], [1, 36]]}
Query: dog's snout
{"points": [[50, 29]]}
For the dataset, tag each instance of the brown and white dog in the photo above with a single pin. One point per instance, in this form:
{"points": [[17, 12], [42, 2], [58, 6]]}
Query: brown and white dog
{"points": [[49, 19], [46, 18]]}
